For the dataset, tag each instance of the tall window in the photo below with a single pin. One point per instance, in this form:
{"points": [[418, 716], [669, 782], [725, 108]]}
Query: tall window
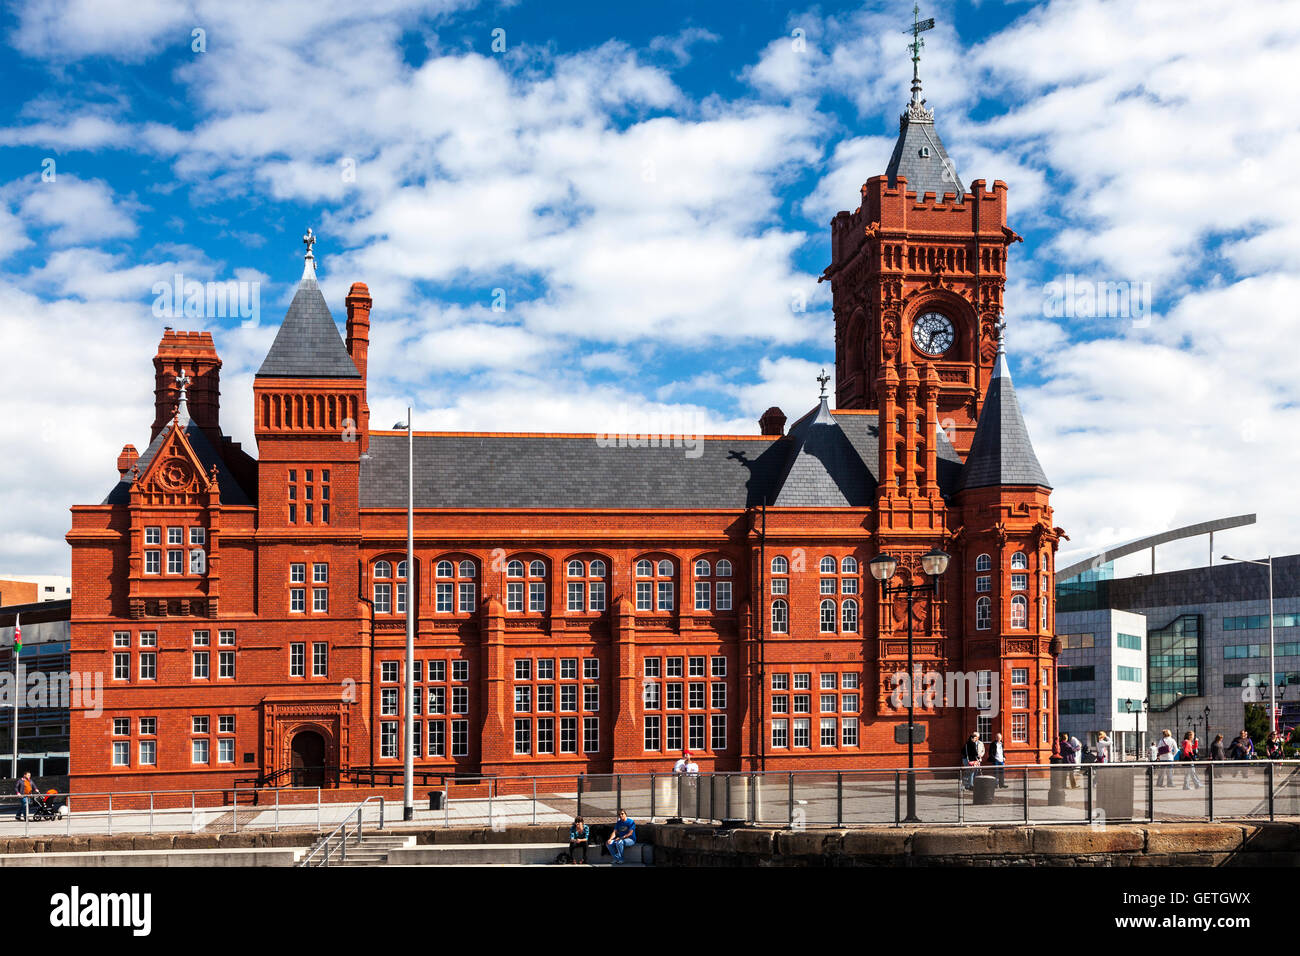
{"points": [[828, 617], [1019, 611], [654, 584], [780, 617], [455, 589], [983, 614], [526, 586], [585, 585], [383, 587]]}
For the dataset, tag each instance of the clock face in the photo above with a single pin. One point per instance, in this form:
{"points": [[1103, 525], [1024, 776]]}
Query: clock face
{"points": [[932, 333]]}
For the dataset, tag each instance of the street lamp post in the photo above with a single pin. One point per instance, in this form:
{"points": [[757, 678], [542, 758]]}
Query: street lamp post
{"points": [[934, 563], [1272, 659], [408, 712], [1207, 725]]}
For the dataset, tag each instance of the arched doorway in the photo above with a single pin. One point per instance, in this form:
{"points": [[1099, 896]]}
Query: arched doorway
{"points": [[308, 759]]}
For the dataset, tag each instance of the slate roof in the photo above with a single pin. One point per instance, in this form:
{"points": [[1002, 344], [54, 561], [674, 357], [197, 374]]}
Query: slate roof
{"points": [[308, 344], [823, 468], [557, 471], [814, 465], [924, 173], [231, 492], [1000, 452]]}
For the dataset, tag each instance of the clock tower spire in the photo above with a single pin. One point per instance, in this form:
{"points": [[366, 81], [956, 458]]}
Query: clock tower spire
{"points": [[917, 273]]}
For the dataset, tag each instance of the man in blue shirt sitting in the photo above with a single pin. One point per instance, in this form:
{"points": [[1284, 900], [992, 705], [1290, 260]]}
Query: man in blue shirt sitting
{"points": [[624, 835]]}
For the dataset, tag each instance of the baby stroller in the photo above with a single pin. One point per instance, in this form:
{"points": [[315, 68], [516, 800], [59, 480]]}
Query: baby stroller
{"points": [[47, 806]]}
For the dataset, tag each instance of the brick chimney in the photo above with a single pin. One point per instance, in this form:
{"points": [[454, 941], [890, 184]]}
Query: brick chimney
{"points": [[126, 459], [358, 344], [772, 422], [194, 354]]}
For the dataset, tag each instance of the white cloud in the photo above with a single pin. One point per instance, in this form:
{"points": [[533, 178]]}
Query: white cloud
{"points": [[73, 210]]}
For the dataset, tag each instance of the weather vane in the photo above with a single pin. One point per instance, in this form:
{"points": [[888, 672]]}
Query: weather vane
{"points": [[822, 379], [309, 240], [918, 27]]}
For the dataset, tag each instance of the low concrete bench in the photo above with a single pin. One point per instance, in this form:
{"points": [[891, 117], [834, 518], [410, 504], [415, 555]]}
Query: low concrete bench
{"points": [[261, 856]]}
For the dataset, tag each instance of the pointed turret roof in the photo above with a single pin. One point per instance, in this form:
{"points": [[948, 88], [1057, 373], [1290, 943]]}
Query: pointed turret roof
{"points": [[308, 344], [823, 468], [918, 154], [1001, 453]]}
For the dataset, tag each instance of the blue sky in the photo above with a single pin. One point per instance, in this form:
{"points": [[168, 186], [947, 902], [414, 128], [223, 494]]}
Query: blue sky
{"points": [[649, 187]]}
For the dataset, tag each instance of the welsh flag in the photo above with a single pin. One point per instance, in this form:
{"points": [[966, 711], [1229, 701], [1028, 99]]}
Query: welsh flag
{"points": [[18, 635]]}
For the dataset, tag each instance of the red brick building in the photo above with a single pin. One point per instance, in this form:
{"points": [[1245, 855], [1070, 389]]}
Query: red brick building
{"points": [[582, 606]]}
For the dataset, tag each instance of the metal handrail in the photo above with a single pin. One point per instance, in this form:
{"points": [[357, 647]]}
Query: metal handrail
{"points": [[342, 829]]}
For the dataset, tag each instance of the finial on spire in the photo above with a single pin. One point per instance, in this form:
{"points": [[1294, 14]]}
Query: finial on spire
{"points": [[182, 415], [822, 379], [309, 264], [916, 108], [1002, 336]]}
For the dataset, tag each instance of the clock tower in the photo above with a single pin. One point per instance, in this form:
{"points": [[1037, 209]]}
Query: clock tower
{"points": [[917, 274]]}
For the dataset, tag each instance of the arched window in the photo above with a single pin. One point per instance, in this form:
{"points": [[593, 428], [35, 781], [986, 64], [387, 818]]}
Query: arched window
{"points": [[780, 566], [390, 598], [849, 615], [780, 617], [828, 565], [656, 593], [1019, 611], [455, 590], [715, 595], [983, 614], [849, 565], [586, 586], [828, 617], [534, 586], [983, 563], [1019, 561]]}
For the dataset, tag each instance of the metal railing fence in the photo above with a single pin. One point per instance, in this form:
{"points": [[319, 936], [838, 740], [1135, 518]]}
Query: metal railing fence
{"points": [[1087, 794]]}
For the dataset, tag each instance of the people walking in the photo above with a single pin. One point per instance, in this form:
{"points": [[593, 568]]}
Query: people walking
{"points": [[971, 754], [27, 790], [1067, 745], [1273, 746], [1103, 747], [1216, 748], [1243, 748], [999, 760], [1190, 750], [1165, 751]]}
